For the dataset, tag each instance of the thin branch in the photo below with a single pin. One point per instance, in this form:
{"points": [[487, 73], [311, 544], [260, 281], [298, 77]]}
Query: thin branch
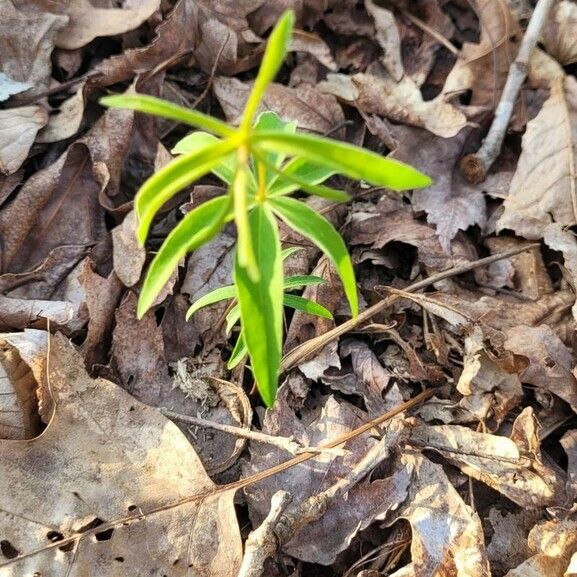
{"points": [[288, 444], [305, 350], [431, 32], [476, 166]]}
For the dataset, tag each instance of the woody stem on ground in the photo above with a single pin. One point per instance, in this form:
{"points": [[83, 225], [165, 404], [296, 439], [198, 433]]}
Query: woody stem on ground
{"points": [[476, 166]]}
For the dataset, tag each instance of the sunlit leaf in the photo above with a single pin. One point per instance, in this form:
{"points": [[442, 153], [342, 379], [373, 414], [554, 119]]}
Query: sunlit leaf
{"points": [[239, 352], [316, 228], [299, 281], [220, 294], [301, 169], [345, 158], [244, 249], [195, 229], [274, 55], [232, 318], [260, 302], [307, 306], [166, 109], [179, 173]]}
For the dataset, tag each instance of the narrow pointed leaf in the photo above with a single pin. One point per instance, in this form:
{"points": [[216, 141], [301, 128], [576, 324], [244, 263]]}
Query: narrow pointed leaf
{"points": [[244, 249], [299, 281], [286, 252], [319, 230], [274, 55], [270, 121], [239, 352], [220, 294], [232, 318], [225, 169], [345, 158], [260, 302], [166, 109], [300, 184], [195, 229], [302, 169], [307, 306], [179, 173]]}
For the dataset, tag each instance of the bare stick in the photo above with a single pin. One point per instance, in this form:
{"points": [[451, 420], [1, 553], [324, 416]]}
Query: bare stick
{"points": [[305, 350], [279, 526], [476, 166], [289, 444]]}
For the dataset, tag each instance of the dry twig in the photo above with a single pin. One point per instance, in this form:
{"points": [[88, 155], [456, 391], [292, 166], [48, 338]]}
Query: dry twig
{"points": [[476, 166], [305, 350]]}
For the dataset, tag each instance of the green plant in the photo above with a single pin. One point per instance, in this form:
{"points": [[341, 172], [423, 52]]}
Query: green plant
{"points": [[263, 163]]}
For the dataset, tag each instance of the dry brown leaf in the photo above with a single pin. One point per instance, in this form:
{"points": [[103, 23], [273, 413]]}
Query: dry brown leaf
{"points": [[375, 92], [559, 34], [387, 35], [321, 541], [483, 67], [18, 128], [550, 361], [127, 254], [515, 467], [312, 44], [553, 544], [489, 392], [447, 534], [9, 87], [569, 444], [60, 205], [543, 188], [65, 122], [110, 461], [311, 109], [18, 402], [27, 43], [87, 20]]}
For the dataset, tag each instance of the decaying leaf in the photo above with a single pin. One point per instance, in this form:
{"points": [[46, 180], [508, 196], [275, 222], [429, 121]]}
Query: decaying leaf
{"points": [[559, 33], [122, 490], [375, 92], [514, 466], [321, 541], [543, 188], [18, 128], [127, 254]]}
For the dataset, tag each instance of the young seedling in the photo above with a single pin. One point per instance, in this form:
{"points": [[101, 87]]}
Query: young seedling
{"points": [[262, 163]]}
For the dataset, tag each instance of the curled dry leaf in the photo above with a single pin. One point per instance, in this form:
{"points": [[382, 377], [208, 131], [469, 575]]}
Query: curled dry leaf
{"points": [[543, 188], [27, 43], [559, 36], [127, 255], [322, 540], [18, 128], [553, 545], [311, 109], [18, 402], [447, 534], [122, 489], [65, 122], [515, 467], [375, 92], [550, 362], [483, 67]]}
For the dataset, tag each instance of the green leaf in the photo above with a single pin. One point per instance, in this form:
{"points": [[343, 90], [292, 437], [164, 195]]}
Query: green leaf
{"points": [[195, 229], [322, 191], [179, 173], [271, 121], [220, 294], [320, 231], [274, 55], [260, 302], [299, 281], [302, 169], [307, 306], [347, 159], [238, 352], [286, 252], [244, 249], [166, 109], [232, 318]]}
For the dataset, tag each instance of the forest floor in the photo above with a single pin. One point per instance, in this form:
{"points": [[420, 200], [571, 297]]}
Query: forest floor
{"points": [[111, 459]]}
